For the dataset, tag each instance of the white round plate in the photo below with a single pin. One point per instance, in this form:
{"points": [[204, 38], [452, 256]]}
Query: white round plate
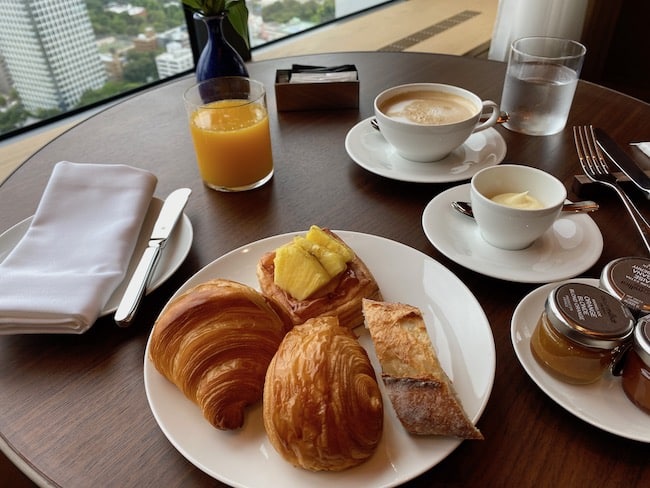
{"points": [[457, 326], [368, 148], [571, 246], [173, 255], [602, 404]]}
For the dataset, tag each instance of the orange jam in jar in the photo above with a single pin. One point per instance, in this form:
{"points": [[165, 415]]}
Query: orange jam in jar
{"points": [[577, 334], [636, 371]]}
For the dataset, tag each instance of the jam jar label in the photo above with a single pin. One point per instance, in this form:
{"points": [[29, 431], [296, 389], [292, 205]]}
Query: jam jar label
{"points": [[630, 278], [592, 311]]}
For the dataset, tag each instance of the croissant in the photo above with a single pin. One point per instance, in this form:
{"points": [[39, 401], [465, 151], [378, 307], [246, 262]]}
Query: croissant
{"points": [[214, 343], [342, 297], [322, 405], [420, 391]]}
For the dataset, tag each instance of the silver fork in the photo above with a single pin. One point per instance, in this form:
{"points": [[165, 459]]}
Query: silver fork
{"points": [[595, 168]]}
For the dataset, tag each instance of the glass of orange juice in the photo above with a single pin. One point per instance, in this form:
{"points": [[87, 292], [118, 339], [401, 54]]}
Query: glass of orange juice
{"points": [[229, 124]]}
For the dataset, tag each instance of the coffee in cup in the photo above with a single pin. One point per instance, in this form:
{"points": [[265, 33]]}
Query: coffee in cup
{"points": [[428, 107], [424, 122]]}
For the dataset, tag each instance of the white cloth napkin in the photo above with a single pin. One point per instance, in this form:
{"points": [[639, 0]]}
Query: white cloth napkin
{"points": [[644, 147], [76, 250]]}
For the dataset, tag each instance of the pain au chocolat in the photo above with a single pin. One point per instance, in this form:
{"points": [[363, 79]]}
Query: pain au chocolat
{"points": [[322, 406], [317, 275], [215, 342], [420, 391]]}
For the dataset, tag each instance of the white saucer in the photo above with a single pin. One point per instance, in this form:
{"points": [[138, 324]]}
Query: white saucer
{"points": [[367, 147], [571, 246], [602, 404], [173, 255]]}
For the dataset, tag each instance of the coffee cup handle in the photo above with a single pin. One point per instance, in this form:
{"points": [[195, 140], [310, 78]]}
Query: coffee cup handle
{"points": [[492, 120]]}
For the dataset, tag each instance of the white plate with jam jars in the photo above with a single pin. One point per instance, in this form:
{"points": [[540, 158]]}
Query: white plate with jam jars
{"points": [[602, 403]]}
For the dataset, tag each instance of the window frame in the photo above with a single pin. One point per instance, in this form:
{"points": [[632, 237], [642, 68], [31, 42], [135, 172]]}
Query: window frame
{"points": [[198, 37]]}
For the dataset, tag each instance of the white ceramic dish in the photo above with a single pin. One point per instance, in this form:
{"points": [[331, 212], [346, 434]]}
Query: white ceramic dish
{"points": [[602, 404], [173, 255], [456, 324], [368, 148], [571, 246]]}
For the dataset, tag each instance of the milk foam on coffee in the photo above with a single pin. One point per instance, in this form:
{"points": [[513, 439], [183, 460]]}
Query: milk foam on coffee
{"points": [[428, 107]]}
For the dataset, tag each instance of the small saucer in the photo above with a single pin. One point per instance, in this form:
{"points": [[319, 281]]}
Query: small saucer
{"points": [[602, 404], [571, 246], [367, 147]]}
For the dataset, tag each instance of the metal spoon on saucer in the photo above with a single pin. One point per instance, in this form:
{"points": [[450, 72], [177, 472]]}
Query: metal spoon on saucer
{"points": [[576, 207]]}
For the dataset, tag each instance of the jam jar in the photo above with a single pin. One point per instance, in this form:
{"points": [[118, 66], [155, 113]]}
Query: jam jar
{"points": [[636, 370], [579, 331], [628, 279]]}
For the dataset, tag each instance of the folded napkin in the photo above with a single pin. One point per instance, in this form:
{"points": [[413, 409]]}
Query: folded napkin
{"points": [[644, 147], [301, 73], [76, 250]]}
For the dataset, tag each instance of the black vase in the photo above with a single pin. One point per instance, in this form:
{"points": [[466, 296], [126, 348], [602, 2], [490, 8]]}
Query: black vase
{"points": [[218, 57]]}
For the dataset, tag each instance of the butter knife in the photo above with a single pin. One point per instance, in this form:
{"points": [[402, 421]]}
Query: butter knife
{"points": [[625, 163], [162, 229]]}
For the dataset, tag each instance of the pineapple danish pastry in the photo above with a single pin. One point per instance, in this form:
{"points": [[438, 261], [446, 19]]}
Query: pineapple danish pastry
{"points": [[215, 342], [322, 406], [315, 275]]}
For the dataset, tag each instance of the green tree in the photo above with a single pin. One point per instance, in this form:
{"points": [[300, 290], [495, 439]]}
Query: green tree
{"points": [[160, 15], [140, 67], [13, 118], [117, 24], [281, 12], [110, 89], [326, 12], [46, 113], [315, 11], [158, 20]]}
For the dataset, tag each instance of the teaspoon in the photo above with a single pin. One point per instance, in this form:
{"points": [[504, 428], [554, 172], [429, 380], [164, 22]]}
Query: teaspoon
{"points": [[576, 207]]}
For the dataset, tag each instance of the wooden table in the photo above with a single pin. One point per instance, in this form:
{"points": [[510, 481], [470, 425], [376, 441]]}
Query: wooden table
{"points": [[74, 410]]}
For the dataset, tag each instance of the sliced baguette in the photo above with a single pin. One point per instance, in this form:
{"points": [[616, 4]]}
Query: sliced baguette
{"points": [[420, 391]]}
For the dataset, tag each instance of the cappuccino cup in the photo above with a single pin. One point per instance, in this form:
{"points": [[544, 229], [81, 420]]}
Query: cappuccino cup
{"points": [[425, 122]]}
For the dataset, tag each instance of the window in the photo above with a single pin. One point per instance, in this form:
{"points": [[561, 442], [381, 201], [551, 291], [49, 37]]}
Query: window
{"points": [[61, 57]]}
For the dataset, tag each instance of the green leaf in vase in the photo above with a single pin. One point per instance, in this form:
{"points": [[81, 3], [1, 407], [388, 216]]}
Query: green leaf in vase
{"points": [[236, 13]]}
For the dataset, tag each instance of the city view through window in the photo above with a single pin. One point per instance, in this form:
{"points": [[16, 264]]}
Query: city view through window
{"points": [[58, 56]]}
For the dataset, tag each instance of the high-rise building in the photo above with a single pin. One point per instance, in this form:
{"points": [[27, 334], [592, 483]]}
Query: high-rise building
{"points": [[175, 59], [50, 52]]}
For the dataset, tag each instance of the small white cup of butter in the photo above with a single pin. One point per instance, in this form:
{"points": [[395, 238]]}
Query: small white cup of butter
{"points": [[514, 205]]}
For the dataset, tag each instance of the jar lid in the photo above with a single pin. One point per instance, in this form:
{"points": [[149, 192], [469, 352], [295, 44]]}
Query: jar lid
{"points": [[628, 279], [641, 341], [589, 316]]}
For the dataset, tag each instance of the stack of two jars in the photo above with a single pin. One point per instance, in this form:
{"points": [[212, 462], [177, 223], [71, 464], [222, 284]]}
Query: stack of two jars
{"points": [[587, 331]]}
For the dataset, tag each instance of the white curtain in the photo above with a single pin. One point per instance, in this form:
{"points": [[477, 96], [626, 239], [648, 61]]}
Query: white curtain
{"points": [[522, 18]]}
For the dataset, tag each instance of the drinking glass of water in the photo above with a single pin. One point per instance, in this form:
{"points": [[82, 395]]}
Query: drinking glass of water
{"points": [[540, 81]]}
